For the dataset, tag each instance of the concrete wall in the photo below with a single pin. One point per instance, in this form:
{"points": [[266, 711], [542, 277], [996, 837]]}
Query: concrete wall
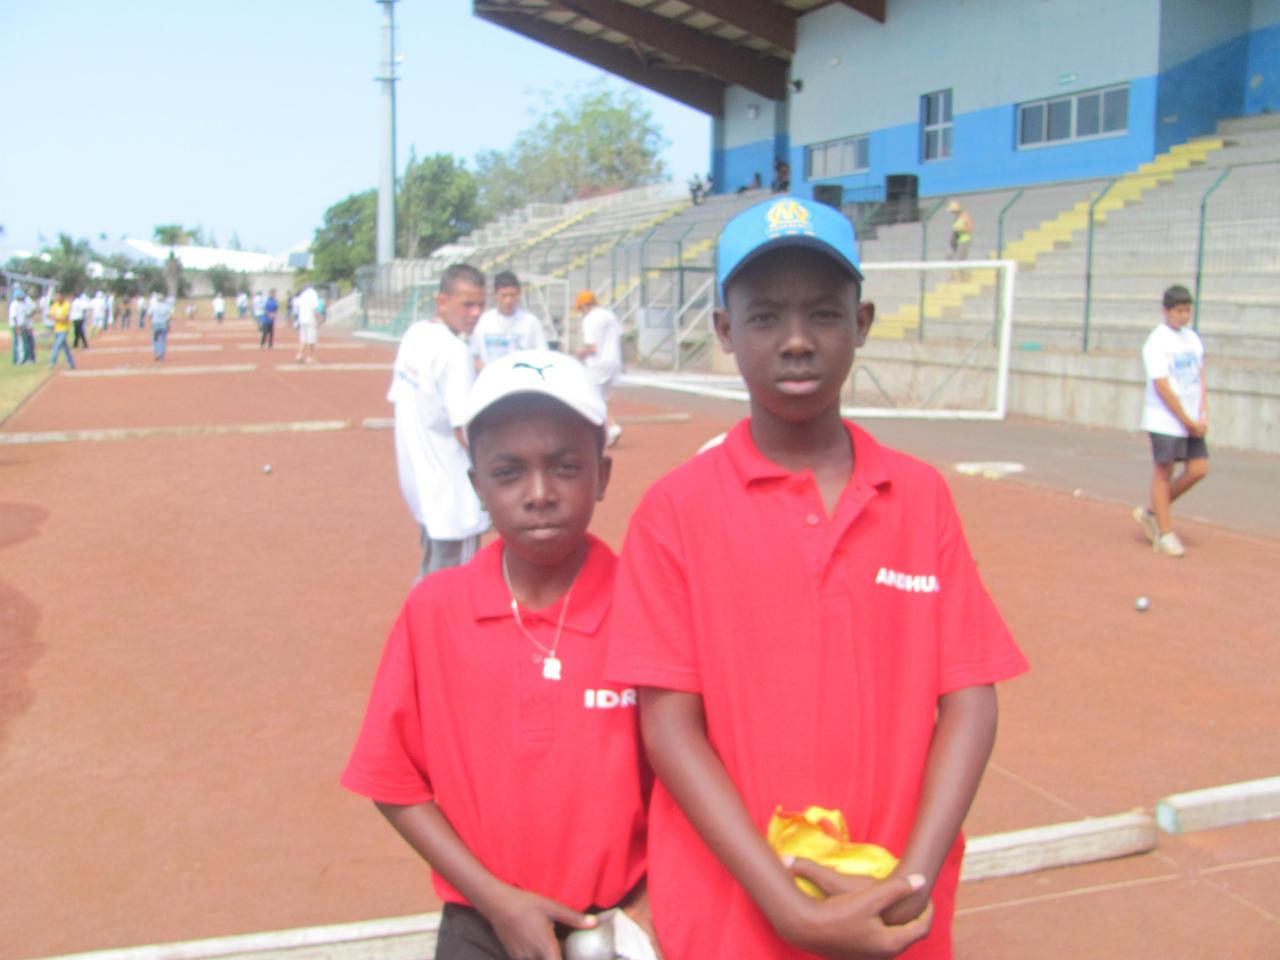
{"points": [[1094, 390]]}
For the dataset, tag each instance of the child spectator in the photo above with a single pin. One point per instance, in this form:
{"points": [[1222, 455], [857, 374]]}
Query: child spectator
{"points": [[807, 628], [506, 327], [433, 375], [60, 314], [1175, 412], [492, 743]]}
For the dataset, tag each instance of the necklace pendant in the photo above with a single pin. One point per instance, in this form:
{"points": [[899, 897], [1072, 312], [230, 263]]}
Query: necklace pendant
{"points": [[551, 668]]}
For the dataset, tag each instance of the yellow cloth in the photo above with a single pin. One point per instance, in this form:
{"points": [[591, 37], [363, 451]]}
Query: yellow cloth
{"points": [[823, 836], [59, 311]]}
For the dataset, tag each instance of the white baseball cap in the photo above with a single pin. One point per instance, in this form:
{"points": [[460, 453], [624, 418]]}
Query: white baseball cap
{"points": [[546, 372]]}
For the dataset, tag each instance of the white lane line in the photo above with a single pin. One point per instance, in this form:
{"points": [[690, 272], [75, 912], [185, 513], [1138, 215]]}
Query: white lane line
{"points": [[161, 371], [134, 433]]}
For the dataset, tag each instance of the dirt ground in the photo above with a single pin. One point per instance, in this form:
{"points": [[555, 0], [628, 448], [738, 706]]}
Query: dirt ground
{"points": [[187, 641]]}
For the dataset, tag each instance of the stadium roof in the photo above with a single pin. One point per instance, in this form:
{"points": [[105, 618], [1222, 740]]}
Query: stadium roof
{"points": [[689, 50]]}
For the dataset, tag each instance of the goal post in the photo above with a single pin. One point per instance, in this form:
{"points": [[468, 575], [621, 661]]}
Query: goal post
{"points": [[940, 344]]}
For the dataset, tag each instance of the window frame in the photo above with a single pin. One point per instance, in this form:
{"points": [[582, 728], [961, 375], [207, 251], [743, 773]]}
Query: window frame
{"points": [[860, 144], [941, 128], [1045, 106]]}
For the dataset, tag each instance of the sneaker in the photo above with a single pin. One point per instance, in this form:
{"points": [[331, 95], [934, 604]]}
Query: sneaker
{"points": [[614, 433], [1147, 521], [1170, 545]]}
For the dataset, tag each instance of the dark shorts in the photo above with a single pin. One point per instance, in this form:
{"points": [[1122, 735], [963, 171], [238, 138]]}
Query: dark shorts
{"points": [[466, 935], [1166, 449]]}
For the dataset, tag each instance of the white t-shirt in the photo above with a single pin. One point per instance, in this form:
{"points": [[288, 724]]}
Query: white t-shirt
{"points": [[219, 305], [79, 307], [1179, 356], [429, 388], [307, 302], [20, 312], [601, 329], [496, 334]]}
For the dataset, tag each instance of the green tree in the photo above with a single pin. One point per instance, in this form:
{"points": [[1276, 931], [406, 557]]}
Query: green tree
{"points": [[346, 240], [589, 141], [66, 263], [174, 234], [436, 204], [225, 280]]}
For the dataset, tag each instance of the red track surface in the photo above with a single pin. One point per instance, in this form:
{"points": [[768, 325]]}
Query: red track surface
{"points": [[186, 645]]}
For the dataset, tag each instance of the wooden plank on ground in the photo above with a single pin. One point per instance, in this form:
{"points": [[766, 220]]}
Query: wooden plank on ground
{"points": [[397, 938], [1220, 806], [1058, 845]]}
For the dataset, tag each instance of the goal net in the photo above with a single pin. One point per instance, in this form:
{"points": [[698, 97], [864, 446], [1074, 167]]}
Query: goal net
{"points": [[940, 345]]}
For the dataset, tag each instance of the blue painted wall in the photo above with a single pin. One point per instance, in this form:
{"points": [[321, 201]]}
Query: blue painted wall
{"points": [[1262, 75], [1188, 64], [1193, 96], [984, 155], [740, 164]]}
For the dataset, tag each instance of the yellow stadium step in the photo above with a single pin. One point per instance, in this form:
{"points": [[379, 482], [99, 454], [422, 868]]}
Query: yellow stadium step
{"points": [[600, 249], [948, 298]]}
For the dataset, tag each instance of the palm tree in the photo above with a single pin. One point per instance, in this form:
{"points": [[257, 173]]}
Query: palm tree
{"points": [[69, 262], [173, 235]]}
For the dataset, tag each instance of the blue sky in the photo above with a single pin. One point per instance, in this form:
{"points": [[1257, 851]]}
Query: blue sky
{"points": [[253, 116]]}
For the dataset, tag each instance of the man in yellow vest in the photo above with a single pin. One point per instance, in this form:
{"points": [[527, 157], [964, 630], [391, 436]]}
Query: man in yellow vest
{"points": [[961, 234]]}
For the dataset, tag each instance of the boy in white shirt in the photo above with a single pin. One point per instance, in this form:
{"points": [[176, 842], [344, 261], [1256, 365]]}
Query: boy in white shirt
{"points": [[601, 349], [507, 326], [1175, 412], [433, 374], [310, 314]]}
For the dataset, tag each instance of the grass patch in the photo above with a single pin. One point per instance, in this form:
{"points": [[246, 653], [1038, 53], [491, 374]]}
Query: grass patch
{"points": [[17, 383]]}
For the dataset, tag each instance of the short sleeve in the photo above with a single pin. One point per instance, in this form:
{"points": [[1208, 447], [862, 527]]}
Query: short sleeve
{"points": [[1155, 359], [976, 647], [388, 763], [651, 634]]}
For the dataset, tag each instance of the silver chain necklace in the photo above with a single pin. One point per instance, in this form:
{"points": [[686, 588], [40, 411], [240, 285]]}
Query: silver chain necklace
{"points": [[547, 657]]}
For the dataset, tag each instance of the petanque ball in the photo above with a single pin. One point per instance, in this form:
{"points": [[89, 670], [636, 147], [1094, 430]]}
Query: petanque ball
{"points": [[594, 944], [266, 468], [1142, 604]]}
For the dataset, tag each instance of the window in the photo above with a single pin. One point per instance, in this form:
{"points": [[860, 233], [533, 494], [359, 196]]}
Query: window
{"points": [[935, 125], [1094, 113], [839, 157]]}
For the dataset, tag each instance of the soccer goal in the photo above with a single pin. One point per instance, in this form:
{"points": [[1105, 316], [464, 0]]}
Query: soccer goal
{"points": [[940, 345]]}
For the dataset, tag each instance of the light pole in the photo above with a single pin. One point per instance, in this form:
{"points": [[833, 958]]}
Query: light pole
{"points": [[387, 157]]}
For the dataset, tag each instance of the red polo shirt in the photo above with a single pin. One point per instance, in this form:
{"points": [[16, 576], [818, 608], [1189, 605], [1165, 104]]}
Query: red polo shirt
{"points": [[541, 779], [820, 646]]}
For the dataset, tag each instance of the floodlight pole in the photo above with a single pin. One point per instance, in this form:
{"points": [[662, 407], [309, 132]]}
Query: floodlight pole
{"points": [[386, 247]]}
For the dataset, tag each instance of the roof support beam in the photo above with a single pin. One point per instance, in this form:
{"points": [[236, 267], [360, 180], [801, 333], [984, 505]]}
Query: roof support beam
{"points": [[688, 88], [775, 24], [762, 75], [870, 8]]}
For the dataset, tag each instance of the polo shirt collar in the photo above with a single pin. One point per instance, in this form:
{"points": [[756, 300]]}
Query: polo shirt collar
{"points": [[592, 591], [751, 465]]}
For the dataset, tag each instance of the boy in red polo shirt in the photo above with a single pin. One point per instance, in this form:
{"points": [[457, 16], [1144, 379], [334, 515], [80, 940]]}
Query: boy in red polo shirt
{"points": [[802, 614], [492, 743]]}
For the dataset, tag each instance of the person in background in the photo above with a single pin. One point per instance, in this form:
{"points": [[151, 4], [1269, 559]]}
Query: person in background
{"points": [[601, 349]]}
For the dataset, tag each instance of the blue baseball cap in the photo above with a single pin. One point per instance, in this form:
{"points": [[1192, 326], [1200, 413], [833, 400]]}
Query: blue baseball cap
{"points": [[785, 221]]}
